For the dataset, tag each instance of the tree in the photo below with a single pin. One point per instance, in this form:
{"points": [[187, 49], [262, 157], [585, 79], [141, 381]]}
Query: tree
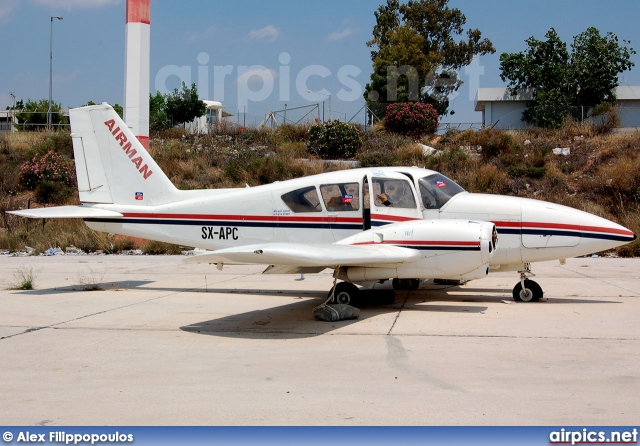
{"points": [[119, 110], [416, 53], [184, 105], [116, 107], [18, 106], [596, 62], [33, 115], [563, 82], [158, 117]]}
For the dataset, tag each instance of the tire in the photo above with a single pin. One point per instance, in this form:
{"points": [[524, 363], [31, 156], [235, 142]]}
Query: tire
{"points": [[346, 293], [405, 284], [532, 292]]}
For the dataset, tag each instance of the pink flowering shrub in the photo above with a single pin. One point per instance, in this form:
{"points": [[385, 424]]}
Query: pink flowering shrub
{"points": [[413, 119], [48, 169]]}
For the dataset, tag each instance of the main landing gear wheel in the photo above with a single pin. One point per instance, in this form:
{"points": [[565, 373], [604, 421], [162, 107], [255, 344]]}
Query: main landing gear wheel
{"points": [[405, 284], [532, 292], [345, 293]]}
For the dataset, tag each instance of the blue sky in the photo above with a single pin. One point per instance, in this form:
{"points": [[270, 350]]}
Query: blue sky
{"points": [[320, 44]]}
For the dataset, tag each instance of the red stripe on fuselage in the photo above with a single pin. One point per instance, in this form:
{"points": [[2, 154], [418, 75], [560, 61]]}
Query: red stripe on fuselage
{"points": [[392, 217], [421, 242], [274, 218]]}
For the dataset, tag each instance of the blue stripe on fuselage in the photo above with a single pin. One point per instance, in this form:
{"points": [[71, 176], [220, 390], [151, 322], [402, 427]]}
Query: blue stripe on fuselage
{"points": [[250, 224], [517, 231]]}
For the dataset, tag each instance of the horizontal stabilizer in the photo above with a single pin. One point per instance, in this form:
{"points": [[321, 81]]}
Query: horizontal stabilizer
{"points": [[66, 212], [309, 255]]}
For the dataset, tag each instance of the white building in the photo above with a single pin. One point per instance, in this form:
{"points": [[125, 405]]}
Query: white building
{"points": [[502, 110], [8, 120], [205, 123]]}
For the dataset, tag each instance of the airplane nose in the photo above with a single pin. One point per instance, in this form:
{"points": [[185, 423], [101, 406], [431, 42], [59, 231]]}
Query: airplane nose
{"points": [[598, 231], [549, 225]]}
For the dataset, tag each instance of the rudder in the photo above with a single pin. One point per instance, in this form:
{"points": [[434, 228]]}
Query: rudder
{"points": [[112, 166]]}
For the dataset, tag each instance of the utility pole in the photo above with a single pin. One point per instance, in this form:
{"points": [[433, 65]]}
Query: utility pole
{"points": [[49, 116], [13, 112], [323, 94]]}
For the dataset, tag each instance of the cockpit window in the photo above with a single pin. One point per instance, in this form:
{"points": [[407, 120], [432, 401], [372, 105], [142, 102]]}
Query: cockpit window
{"points": [[341, 197], [303, 200], [393, 193], [436, 190]]}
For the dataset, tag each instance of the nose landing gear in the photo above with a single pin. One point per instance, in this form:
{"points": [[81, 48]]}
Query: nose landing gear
{"points": [[527, 290]]}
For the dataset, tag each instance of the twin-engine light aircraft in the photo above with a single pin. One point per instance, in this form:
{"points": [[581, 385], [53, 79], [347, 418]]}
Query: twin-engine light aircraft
{"points": [[369, 225]]}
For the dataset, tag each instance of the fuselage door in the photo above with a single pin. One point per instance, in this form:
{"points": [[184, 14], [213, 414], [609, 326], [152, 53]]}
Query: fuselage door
{"points": [[366, 204], [392, 199]]}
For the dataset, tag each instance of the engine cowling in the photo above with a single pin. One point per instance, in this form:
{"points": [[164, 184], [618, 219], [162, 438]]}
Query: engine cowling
{"points": [[450, 249]]}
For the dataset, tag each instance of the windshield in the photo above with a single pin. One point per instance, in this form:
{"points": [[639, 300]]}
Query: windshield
{"points": [[436, 190]]}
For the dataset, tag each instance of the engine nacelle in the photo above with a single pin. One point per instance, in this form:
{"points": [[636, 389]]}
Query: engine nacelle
{"points": [[450, 249]]}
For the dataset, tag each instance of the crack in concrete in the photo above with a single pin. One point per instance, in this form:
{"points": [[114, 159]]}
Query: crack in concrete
{"points": [[310, 333], [86, 316], [633, 292], [398, 314], [56, 325]]}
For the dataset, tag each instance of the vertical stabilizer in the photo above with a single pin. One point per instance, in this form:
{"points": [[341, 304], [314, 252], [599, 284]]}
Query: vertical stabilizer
{"points": [[112, 166]]}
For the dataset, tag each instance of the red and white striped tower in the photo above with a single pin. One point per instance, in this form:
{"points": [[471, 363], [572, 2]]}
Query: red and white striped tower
{"points": [[137, 67]]}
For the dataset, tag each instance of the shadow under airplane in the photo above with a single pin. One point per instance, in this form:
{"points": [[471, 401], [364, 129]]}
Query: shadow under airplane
{"points": [[295, 320]]}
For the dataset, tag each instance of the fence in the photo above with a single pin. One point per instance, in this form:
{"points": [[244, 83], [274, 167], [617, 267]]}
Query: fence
{"points": [[14, 120]]}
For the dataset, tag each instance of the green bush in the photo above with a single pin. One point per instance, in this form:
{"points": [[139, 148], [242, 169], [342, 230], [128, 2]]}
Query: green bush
{"points": [[59, 142], [526, 171], [413, 119], [334, 139], [50, 192]]}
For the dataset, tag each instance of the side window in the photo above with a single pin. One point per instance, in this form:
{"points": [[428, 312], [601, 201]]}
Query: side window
{"points": [[303, 200], [394, 193], [341, 197]]}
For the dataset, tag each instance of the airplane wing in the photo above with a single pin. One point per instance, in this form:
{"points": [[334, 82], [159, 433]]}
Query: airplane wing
{"points": [[309, 255], [66, 212]]}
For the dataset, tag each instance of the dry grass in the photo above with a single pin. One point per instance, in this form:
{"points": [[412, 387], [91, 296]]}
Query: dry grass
{"points": [[411, 155], [600, 176], [25, 141], [42, 235], [24, 279], [92, 280], [153, 247]]}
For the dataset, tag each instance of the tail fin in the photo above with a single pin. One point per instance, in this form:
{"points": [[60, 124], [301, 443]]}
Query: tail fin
{"points": [[111, 164]]}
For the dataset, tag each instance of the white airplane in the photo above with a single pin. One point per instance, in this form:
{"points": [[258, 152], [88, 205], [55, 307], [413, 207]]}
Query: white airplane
{"points": [[369, 225]]}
